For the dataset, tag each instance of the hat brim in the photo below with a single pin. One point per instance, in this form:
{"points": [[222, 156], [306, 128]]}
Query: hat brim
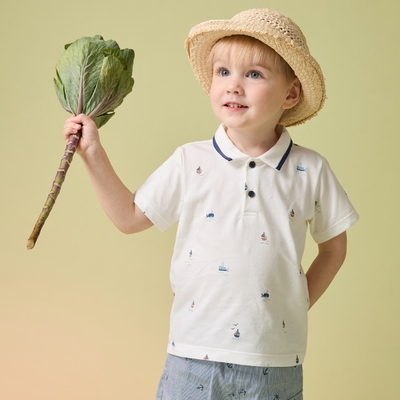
{"points": [[291, 46]]}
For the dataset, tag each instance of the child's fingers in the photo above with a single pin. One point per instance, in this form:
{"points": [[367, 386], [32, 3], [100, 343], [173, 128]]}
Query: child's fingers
{"points": [[70, 128], [75, 123], [82, 119]]}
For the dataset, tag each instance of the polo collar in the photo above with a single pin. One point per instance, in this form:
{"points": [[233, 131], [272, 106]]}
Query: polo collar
{"points": [[274, 157]]}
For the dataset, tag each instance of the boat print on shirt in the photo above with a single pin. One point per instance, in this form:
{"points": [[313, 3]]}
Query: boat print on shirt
{"points": [[199, 171], [301, 169], [189, 259], [264, 238], [284, 326], [236, 331], [222, 269]]}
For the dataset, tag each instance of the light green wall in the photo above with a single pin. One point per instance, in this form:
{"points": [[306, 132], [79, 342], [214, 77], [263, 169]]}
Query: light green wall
{"points": [[84, 315]]}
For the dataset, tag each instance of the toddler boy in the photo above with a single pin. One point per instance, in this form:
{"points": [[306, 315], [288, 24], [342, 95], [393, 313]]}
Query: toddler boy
{"points": [[244, 201]]}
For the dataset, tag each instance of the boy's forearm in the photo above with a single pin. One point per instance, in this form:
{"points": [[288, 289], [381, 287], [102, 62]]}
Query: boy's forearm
{"points": [[115, 198], [324, 268]]}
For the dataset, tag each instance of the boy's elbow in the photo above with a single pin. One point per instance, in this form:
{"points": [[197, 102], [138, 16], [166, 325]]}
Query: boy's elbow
{"points": [[130, 219], [135, 226], [126, 230]]}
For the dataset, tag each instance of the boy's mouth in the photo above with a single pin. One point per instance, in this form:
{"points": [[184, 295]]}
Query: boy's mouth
{"points": [[234, 105]]}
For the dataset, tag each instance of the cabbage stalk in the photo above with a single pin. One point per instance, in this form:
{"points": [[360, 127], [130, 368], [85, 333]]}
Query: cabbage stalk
{"points": [[93, 76]]}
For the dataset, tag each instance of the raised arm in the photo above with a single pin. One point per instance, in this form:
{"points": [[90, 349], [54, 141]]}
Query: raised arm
{"points": [[331, 255], [115, 198]]}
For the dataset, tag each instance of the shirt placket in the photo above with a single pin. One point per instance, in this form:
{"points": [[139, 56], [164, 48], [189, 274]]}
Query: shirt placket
{"points": [[251, 188]]}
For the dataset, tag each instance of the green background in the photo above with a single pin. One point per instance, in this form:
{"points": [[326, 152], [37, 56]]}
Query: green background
{"points": [[84, 315]]}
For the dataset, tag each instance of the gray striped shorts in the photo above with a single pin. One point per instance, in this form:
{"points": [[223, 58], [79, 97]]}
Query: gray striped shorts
{"points": [[189, 379]]}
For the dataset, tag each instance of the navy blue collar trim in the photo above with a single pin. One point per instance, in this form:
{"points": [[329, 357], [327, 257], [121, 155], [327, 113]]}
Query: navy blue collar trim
{"points": [[280, 165], [219, 150], [285, 156]]}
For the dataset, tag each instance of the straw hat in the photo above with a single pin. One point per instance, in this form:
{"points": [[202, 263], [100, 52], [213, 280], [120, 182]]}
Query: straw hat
{"points": [[278, 32]]}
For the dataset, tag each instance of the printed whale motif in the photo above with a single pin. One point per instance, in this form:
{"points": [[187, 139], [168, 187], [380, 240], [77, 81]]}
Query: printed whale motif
{"points": [[210, 215]]}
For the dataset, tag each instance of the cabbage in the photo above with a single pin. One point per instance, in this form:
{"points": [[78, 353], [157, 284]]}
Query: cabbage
{"points": [[92, 77]]}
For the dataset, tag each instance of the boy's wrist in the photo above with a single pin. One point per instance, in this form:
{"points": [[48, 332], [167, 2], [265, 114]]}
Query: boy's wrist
{"points": [[92, 152]]}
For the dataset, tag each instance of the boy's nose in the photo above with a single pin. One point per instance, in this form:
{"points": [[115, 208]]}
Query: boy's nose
{"points": [[234, 86], [234, 91]]}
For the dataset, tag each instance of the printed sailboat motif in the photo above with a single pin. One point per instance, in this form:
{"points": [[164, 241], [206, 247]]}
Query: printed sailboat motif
{"points": [[264, 237]]}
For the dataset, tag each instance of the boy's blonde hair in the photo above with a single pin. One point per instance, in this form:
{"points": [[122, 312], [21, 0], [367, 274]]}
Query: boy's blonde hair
{"points": [[249, 49]]}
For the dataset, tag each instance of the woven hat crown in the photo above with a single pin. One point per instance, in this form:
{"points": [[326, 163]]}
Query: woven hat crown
{"points": [[276, 31]]}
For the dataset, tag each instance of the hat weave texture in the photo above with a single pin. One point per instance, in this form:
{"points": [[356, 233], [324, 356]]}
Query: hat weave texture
{"points": [[276, 31]]}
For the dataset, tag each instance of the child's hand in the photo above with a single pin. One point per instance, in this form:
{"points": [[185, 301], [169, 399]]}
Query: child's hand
{"points": [[84, 124]]}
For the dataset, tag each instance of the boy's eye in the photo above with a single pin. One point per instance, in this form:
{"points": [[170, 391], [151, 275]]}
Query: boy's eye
{"points": [[223, 72], [254, 75]]}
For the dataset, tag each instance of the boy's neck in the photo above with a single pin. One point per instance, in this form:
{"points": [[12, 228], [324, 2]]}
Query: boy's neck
{"points": [[254, 144]]}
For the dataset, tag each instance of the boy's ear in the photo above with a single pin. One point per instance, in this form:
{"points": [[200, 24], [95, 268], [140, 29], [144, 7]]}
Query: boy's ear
{"points": [[293, 95]]}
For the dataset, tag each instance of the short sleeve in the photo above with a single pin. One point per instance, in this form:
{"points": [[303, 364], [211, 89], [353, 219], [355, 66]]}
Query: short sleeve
{"points": [[160, 197], [333, 211]]}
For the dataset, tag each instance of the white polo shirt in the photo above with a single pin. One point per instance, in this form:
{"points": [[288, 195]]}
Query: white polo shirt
{"points": [[240, 292]]}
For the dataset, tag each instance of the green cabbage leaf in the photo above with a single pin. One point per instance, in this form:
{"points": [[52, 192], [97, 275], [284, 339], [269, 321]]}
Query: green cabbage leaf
{"points": [[93, 76]]}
